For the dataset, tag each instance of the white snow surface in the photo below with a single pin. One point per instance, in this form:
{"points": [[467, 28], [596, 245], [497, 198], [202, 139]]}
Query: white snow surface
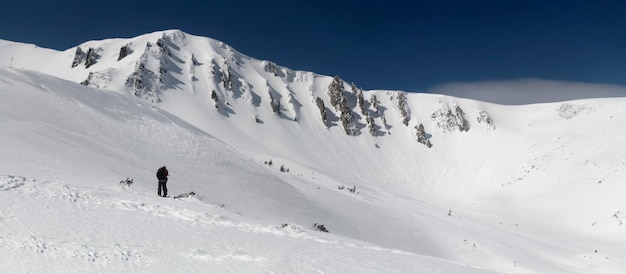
{"points": [[539, 190]]}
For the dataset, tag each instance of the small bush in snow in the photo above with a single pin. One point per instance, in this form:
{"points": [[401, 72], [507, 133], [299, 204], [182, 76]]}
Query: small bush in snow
{"points": [[351, 189], [320, 227], [126, 182]]}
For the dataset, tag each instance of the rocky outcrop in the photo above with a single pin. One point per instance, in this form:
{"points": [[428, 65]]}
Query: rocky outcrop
{"points": [[275, 104], [97, 79], [270, 67], [339, 100], [449, 120], [320, 104], [335, 92], [374, 102], [124, 51], [147, 79], [216, 100], [360, 100], [162, 47], [347, 118], [79, 57], [460, 117], [91, 58], [485, 119], [226, 76], [404, 108], [371, 125], [143, 82], [195, 61], [422, 137]]}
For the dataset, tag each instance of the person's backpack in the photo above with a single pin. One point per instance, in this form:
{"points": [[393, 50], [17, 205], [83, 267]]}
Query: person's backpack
{"points": [[161, 173]]}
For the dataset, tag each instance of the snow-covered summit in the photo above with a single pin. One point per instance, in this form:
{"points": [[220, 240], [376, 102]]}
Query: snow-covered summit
{"points": [[175, 64]]}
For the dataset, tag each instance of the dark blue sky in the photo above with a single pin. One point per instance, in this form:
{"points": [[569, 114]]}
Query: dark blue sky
{"points": [[408, 45]]}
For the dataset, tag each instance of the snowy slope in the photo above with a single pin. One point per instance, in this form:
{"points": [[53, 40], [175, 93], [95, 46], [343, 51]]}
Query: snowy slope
{"points": [[69, 214], [516, 189]]}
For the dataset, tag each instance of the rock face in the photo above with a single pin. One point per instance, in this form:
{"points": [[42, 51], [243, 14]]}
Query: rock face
{"points": [[235, 84], [92, 58], [275, 105], [89, 58], [124, 51], [79, 57], [320, 104], [142, 83], [146, 80]]}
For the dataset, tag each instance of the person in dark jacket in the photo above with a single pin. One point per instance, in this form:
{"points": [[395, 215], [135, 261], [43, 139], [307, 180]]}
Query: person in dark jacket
{"points": [[162, 176]]}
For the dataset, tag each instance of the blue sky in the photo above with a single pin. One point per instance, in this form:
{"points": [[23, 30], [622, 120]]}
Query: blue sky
{"points": [[407, 45]]}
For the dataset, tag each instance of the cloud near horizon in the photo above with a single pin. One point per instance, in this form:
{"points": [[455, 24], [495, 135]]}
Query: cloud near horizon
{"points": [[528, 91]]}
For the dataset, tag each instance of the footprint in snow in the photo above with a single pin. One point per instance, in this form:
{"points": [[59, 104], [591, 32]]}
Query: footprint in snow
{"points": [[8, 182]]}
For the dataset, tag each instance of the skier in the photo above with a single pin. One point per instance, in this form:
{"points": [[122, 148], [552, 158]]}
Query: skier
{"points": [[162, 176]]}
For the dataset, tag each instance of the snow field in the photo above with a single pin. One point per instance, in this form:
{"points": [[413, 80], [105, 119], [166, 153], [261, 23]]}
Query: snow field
{"points": [[56, 226]]}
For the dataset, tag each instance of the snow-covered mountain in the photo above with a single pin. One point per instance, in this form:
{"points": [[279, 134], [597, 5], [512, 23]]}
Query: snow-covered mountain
{"points": [[399, 179]]}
